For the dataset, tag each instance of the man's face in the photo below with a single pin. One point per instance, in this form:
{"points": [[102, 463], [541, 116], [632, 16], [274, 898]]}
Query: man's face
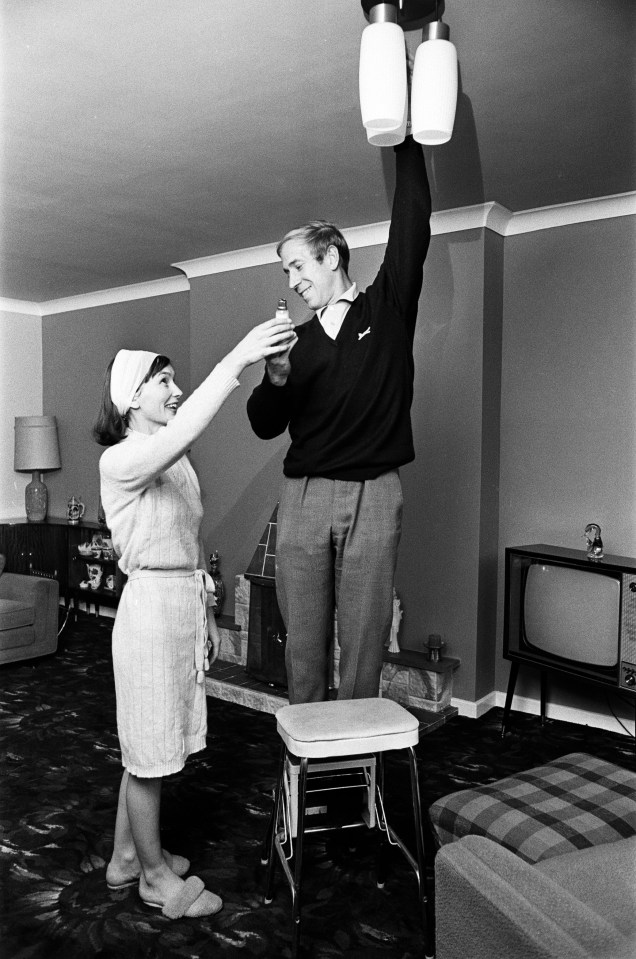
{"points": [[315, 282]]}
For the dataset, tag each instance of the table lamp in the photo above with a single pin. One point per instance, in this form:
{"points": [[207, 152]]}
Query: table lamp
{"points": [[36, 449]]}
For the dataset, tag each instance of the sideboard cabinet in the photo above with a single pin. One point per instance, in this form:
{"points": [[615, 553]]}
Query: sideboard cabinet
{"points": [[80, 557]]}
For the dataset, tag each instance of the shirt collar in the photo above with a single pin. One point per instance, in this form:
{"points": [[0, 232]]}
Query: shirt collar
{"points": [[348, 297]]}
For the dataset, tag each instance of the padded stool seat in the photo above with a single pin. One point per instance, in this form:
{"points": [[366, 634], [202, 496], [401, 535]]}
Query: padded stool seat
{"points": [[326, 731], [346, 727]]}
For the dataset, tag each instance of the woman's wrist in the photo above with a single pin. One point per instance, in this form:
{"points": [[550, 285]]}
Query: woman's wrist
{"points": [[232, 364]]}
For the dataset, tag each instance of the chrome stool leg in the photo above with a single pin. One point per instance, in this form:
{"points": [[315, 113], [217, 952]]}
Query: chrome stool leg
{"points": [[426, 905], [298, 856], [383, 844], [417, 862], [268, 855], [280, 825]]}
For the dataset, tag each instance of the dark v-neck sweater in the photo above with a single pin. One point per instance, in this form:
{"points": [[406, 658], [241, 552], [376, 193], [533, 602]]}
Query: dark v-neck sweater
{"points": [[347, 401]]}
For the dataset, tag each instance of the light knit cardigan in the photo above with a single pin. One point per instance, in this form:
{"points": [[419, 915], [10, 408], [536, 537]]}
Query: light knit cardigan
{"points": [[137, 462]]}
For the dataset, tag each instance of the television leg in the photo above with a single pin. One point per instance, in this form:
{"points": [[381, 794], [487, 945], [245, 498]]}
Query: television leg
{"points": [[512, 682], [544, 693]]}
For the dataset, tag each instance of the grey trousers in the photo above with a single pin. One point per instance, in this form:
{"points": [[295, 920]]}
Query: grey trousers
{"points": [[336, 546]]}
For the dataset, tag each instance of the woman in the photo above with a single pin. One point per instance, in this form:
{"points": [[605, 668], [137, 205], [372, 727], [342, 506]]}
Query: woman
{"points": [[152, 503]]}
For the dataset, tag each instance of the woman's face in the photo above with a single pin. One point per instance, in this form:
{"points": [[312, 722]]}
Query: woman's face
{"points": [[155, 402]]}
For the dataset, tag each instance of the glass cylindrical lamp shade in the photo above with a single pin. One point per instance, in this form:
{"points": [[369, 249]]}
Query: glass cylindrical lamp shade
{"points": [[382, 76], [381, 137], [434, 91]]}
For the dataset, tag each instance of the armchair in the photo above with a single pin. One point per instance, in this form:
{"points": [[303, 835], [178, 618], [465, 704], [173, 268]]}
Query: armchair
{"points": [[490, 904], [28, 616]]}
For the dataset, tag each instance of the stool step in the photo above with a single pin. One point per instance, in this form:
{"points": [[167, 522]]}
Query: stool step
{"points": [[339, 793]]}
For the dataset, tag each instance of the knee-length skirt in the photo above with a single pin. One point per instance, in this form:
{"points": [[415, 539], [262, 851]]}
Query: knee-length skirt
{"points": [[157, 653]]}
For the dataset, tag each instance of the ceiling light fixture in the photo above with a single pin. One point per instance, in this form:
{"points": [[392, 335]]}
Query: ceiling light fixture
{"points": [[383, 90], [383, 80], [434, 86]]}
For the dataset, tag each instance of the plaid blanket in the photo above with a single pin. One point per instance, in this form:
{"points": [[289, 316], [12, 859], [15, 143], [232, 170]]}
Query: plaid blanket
{"points": [[571, 803]]}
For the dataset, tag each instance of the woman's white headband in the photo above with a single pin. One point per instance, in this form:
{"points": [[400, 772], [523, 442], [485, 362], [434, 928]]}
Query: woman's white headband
{"points": [[129, 370]]}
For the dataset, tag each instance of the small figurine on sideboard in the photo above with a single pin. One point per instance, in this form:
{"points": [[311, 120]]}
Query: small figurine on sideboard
{"points": [[74, 511], [219, 585], [594, 541], [434, 646], [394, 645]]}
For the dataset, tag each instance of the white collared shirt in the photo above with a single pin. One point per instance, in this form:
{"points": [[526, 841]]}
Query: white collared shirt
{"points": [[331, 317]]}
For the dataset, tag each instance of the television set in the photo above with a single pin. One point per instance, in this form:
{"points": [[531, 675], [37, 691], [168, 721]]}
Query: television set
{"points": [[569, 613]]}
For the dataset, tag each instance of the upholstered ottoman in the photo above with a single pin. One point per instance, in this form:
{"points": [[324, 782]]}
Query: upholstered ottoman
{"points": [[572, 803]]}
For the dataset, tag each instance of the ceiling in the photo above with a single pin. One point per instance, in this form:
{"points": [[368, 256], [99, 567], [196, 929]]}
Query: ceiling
{"points": [[141, 134]]}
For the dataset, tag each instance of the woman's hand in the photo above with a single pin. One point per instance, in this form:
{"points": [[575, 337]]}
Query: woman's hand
{"points": [[265, 340]]}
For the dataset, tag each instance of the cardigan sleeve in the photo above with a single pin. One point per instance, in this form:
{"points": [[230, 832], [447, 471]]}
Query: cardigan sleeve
{"points": [[133, 466]]}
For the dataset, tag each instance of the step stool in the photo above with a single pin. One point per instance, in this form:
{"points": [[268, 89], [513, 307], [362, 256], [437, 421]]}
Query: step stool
{"points": [[343, 736]]}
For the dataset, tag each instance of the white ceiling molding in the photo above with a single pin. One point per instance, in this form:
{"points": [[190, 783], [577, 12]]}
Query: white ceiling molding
{"points": [[228, 262], [20, 306], [371, 234], [490, 216], [582, 211], [118, 294]]}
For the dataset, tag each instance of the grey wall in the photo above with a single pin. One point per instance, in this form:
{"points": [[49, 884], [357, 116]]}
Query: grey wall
{"points": [[524, 416], [450, 511], [77, 348], [239, 473], [568, 399], [447, 545], [20, 395]]}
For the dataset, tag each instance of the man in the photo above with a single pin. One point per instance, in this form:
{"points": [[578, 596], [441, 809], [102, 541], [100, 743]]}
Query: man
{"points": [[344, 390]]}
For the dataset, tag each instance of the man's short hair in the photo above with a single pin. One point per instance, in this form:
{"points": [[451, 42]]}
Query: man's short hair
{"points": [[319, 235]]}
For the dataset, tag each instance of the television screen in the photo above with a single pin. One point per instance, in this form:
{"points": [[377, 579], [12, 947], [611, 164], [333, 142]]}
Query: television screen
{"points": [[572, 613]]}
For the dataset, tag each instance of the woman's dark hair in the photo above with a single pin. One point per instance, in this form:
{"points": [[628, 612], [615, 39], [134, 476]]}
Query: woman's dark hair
{"points": [[111, 426]]}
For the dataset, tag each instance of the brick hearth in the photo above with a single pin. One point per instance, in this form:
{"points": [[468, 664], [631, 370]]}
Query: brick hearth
{"points": [[408, 677]]}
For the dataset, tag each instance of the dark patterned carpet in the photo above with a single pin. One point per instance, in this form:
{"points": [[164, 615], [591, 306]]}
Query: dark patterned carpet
{"points": [[58, 796]]}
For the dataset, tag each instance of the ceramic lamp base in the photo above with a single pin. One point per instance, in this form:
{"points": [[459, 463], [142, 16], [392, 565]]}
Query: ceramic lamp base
{"points": [[36, 499]]}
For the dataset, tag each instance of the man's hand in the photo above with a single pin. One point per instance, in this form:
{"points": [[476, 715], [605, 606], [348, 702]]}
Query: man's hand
{"points": [[279, 366]]}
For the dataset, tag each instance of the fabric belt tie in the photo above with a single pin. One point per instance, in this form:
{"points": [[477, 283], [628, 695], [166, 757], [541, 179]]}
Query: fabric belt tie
{"points": [[205, 586]]}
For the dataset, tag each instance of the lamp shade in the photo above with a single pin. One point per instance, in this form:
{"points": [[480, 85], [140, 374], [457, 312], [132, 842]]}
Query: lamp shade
{"points": [[381, 137], [382, 75], [36, 444], [434, 88]]}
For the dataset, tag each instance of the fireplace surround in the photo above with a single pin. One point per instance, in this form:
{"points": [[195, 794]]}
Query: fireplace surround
{"points": [[266, 634], [255, 642]]}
